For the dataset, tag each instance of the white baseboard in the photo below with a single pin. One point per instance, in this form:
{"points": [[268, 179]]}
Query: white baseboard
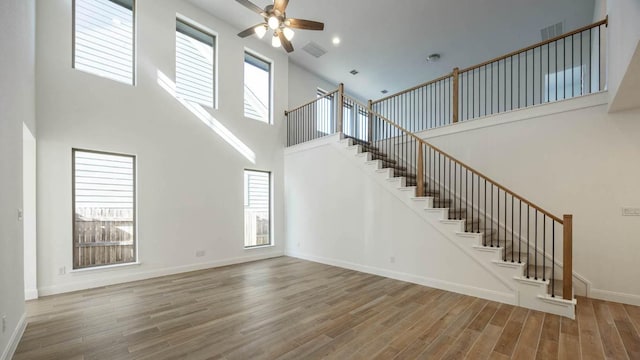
{"points": [[30, 294], [607, 295], [507, 298], [143, 275], [8, 352]]}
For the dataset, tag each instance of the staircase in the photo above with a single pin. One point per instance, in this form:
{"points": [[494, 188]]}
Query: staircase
{"points": [[527, 247], [538, 287]]}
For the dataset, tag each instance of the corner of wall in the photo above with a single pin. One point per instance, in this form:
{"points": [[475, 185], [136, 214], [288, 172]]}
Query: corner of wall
{"points": [[10, 350]]}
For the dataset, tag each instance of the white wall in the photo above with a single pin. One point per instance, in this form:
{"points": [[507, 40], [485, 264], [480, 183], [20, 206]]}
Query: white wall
{"points": [[29, 210], [337, 213], [190, 179], [303, 86], [17, 105], [624, 35], [571, 157]]}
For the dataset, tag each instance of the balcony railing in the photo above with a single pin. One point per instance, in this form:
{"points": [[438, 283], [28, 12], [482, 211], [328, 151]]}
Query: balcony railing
{"points": [[560, 68]]}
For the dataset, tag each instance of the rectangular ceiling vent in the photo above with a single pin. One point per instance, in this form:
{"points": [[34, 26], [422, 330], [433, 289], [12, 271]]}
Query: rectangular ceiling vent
{"points": [[314, 49], [551, 31]]}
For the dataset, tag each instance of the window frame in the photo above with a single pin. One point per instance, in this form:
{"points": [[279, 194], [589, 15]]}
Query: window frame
{"points": [[270, 62], [205, 30], [271, 222], [134, 167], [134, 43]]}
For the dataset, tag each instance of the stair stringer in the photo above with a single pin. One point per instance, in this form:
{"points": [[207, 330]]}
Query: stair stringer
{"points": [[529, 293]]}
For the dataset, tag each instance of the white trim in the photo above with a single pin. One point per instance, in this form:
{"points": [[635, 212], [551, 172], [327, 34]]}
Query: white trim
{"points": [[507, 298], [319, 142], [14, 340], [104, 267], [528, 113], [631, 299], [93, 283], [30, 294]]}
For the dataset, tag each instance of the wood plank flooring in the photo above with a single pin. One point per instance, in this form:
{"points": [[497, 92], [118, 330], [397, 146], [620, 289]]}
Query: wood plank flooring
{"points": [[286, 308]]}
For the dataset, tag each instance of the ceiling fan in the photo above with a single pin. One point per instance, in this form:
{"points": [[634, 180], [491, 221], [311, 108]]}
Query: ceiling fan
{"points": [[276, 19]]}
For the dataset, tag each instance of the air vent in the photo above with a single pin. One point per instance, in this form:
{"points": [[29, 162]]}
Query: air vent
{"points": [[353, 72], [551, 31], [314, 49]]}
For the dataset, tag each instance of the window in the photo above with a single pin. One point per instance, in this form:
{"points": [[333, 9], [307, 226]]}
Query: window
{"points": [[257, 88], [324, 112], [257, 208], [104, 205], [194, 64], [103, 41], [563, 84]]}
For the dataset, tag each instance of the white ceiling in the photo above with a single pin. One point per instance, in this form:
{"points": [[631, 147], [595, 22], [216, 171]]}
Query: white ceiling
{"points": [[388, 41]]}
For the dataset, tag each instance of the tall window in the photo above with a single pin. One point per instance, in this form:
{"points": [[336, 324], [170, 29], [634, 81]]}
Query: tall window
{"points": [[324, 112], [104, 219], [103, 39], [257, 208], [257, 88], [195, 76]]}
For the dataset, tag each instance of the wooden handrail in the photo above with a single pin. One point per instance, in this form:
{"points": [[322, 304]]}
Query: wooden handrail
{"points": [[286, 112], [542, 43], [413, 88], [481, 175]]}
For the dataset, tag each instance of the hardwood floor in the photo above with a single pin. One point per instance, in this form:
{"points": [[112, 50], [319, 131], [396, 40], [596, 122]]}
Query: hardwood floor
{"points": [[287, 308]]}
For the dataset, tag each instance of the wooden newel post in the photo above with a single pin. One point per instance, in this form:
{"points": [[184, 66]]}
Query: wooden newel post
{"points": [[419, 173], [456, 86], [370, 124], [340, 108], [567, 261]]}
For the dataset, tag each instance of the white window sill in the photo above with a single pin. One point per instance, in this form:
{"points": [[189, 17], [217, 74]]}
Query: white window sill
{"points": [[106, 267], [259, 247]]}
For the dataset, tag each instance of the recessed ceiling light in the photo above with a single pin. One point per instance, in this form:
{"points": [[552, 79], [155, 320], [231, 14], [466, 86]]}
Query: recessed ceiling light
{"points": [[384, 91], [336, 40], [354, 72]]}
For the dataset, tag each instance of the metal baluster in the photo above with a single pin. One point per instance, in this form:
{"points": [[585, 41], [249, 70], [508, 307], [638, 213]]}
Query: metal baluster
{"points": [[544, 247], [512, 232], [536, 248], [553, 258], [520, 232], [528, 238]]}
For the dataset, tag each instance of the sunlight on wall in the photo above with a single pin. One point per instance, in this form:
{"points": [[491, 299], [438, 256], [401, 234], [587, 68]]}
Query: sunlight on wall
{"points": [[169, 86]]}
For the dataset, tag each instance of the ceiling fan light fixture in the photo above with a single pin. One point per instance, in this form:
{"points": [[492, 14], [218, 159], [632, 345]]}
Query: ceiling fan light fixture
{"points": [[260, 30], [288, 33], [275, 41], [273, 22]]}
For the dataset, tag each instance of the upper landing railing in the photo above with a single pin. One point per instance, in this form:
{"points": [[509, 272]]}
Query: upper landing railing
{"points": [[560, 68]]}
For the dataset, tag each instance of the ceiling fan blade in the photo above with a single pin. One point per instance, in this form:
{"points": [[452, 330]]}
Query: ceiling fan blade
{"points": [[251, 6], [280, 5], [304, 24], [286, 44], [248, 32]]}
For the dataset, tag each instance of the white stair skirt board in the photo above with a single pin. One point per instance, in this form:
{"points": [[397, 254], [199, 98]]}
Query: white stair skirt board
{"points": [[528, 293], [15, 338]]}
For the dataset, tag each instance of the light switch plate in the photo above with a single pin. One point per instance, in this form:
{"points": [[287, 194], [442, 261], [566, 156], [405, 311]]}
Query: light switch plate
{"points": [[20, 214]]}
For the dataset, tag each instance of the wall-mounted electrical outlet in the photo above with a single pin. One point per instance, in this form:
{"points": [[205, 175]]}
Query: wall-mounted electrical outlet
{"points": [[4, 323], [62, 270], [200, 253], [628, 211]]}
